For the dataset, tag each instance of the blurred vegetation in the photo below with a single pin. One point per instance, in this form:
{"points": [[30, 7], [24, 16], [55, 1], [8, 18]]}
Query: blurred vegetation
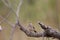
{"points": [[46, 11]]}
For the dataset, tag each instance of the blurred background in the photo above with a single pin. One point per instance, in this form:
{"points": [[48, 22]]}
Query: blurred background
{"points": [[45, 11]]}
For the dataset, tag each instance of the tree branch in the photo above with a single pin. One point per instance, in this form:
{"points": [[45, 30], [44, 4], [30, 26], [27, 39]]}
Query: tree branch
{"points": [[29, 32], [7, 3], [17, 16], [4, 19], [48, 31]]}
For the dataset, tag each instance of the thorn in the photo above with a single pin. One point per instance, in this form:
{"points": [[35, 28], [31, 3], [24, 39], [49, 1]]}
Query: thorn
{"points": [[31, 26]]}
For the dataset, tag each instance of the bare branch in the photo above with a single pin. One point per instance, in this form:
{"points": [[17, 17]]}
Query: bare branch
{"points": [[6, 2], [48, 32], [30, 33], [12, 32], [18, 8], [17, 20], [6, 21], [6, 17]]}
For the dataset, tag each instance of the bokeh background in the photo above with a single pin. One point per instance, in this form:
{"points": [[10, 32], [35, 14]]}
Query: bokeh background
{"points": [[45, 11]]}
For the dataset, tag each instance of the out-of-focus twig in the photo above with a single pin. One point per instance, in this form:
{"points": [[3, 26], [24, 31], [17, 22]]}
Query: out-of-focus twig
{"points": [[19, 7], [6, 2], [6, 21], [17, 20]]}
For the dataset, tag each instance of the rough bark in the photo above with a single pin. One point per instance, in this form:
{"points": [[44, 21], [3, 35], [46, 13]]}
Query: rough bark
{"points": [[48, 31]]}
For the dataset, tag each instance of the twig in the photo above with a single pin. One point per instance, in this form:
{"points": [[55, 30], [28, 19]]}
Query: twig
{"points": [[18, 8], [17, 16], [12, 32], [6, 21], [6, 2]]}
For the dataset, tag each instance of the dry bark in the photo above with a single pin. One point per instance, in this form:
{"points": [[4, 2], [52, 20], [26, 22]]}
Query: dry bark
{"points": [[48, 31]]}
